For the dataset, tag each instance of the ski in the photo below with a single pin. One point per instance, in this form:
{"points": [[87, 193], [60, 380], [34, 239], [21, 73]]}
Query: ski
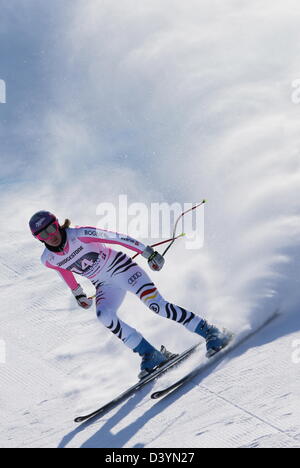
{"points": [[213, 360], [130, 391]]}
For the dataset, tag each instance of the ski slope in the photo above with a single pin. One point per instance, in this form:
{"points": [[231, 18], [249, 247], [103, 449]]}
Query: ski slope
{"points": [[59, 364], [162, 102]]}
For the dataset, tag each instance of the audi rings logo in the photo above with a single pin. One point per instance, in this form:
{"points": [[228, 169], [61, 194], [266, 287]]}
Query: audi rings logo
{"points": [[134, 278], [155, 307]]}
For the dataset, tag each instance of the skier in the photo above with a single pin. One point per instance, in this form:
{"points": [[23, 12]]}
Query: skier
{"points": [[83, 250]]}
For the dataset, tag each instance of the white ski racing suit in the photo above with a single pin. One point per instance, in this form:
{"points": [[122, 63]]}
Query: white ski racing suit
{"points": [[113, 273]]}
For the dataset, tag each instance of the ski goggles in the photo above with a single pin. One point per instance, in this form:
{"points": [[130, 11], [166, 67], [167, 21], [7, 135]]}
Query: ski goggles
{"points": [[48, 232]]}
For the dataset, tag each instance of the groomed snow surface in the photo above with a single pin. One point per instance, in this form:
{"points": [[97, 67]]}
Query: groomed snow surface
{"points": [[161, 101], [60, 363]]}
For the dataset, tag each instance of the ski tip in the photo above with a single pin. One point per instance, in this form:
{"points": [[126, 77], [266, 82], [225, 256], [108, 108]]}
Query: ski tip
{"points": [[155, 395], [79, 420]]}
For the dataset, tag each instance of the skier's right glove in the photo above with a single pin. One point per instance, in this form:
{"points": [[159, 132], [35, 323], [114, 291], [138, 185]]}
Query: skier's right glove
{"points": [[155, 260], [81, 298]]}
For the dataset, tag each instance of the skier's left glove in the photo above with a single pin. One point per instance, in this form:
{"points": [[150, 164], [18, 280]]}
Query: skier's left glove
{"points": [[155, 260], [81, 298]]}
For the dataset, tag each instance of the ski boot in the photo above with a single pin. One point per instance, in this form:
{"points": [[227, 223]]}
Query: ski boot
{"points": [[151, 357], [216, 339]]}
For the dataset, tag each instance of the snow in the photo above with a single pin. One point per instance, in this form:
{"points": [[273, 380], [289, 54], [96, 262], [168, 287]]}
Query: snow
{"points": [[184, 102], [60, 363]]}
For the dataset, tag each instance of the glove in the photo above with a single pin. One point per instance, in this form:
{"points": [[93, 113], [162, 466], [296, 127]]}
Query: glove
{"points": [[155, 260], [81, 298]]}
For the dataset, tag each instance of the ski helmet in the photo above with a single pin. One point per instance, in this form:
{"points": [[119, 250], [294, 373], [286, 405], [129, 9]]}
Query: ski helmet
{"points": [[41, 220]]}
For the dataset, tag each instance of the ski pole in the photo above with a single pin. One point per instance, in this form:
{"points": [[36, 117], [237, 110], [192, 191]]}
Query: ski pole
{"points": [[174, 238], [163, 242], [176, 224], [153, 245]]}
